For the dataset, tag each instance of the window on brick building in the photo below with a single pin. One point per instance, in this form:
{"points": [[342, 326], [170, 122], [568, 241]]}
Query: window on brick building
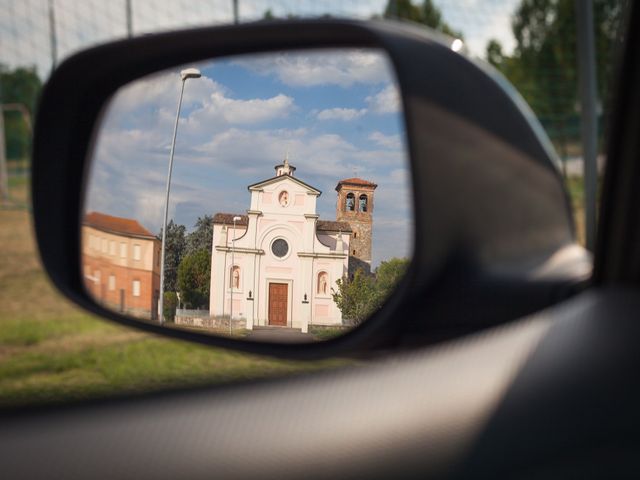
{"points": [[136, 252], [112, 248], [136, 288], [123, 250], [112, 282]]}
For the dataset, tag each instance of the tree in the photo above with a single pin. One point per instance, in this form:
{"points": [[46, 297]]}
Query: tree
{"points": [[432, 17], [494, 53], [268, 15], [174, 251], [387, 276], [21, 86], [427, 14], [355, 297], [358, 297], [403, 9], [194, 277], [543, 66], [202, 236]]}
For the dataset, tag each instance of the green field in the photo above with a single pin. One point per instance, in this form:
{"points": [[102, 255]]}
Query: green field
{"points": [[51, 351]]}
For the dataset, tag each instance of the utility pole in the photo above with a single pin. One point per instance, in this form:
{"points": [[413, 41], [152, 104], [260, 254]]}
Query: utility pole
{"points": [[589, 122], [129, 18], [4, 175], [184, 76], [236, 15], [233, 266], [52, 35]]}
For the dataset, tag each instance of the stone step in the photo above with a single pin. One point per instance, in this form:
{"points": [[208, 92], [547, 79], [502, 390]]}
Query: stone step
{"points": [[273, 327]]}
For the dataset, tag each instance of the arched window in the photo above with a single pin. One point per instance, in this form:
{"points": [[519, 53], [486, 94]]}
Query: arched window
{"points": [[323, 283], [362, 206], [350, 204], [234, 277]]}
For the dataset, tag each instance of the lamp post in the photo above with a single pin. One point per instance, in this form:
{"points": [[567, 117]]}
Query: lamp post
{"points": [[184, 75], [233, 265]]}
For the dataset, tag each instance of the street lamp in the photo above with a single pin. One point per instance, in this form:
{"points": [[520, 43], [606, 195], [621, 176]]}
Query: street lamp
{"points": [[184, 75], [233, 264]]}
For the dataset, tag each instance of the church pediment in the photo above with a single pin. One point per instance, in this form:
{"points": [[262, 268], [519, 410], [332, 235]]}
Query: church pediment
{"points": [[256, 187]]}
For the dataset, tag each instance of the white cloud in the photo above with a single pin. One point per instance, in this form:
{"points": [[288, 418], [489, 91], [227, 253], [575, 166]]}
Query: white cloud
{"points": [[243, 112], [343, 67], [344, 114], [386, 100], [387, 141], [207, 107]]}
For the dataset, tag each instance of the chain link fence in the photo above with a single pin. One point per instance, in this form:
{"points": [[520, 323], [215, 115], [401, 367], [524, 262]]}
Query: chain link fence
{"points": [[532, 42]]}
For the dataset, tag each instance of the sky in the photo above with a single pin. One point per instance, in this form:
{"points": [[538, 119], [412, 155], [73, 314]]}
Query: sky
{"points": [[272, 120], [25, 34], [335, 113]]}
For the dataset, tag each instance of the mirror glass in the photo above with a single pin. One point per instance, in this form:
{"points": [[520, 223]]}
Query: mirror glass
{"points": [[284, 184]]}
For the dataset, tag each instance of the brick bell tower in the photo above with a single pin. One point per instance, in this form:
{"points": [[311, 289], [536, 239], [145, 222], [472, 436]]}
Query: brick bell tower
{"points": [[355, 206]]}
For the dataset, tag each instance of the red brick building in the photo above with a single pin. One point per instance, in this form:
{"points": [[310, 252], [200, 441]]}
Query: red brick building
{"points": [[121, 264]]}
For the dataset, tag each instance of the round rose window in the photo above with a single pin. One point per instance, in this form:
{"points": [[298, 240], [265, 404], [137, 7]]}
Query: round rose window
{"points": [[280, 247]]}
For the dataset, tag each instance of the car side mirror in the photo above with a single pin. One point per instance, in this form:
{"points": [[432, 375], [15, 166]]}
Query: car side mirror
{"points": [[487, 216]]}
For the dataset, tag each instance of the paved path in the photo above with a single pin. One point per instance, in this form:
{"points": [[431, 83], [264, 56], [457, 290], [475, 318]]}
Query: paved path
{"points": [[279, 335]]}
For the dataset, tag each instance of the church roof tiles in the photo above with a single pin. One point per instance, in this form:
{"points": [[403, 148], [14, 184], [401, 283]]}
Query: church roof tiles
{"points": [[227, 219], [332, 226], [356, 181]]}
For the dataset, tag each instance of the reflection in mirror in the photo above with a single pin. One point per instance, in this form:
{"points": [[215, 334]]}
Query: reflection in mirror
{"points": [[273, 205]]}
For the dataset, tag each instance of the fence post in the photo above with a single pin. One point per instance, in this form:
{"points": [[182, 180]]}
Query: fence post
{"points": [[4, 175], [589, 125]]}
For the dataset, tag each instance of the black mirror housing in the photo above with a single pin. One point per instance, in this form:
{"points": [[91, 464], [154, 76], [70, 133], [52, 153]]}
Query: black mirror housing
{"points": [[494, 236]]}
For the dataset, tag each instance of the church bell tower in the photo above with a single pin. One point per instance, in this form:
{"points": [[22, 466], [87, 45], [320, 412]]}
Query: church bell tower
{"points": [[355, 206]]}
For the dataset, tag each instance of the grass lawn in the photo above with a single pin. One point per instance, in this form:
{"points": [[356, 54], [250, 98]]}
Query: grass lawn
{"points": [[327, 333], [575, 187], [51, 351]]}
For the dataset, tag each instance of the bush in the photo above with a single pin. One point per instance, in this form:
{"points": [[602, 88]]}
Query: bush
{"points": [[169, 306], [358, 297]]}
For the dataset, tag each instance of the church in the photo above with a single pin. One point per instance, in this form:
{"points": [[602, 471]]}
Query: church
{"points": [[278, 263]]}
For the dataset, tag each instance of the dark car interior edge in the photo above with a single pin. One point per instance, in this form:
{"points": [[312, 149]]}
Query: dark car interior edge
{"points": [[532, 363]]}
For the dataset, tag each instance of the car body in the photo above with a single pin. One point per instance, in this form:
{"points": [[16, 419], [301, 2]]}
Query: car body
{"points": [[521, 364]]}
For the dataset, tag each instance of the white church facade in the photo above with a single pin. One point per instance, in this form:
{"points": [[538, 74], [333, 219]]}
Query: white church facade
{"points": [[277, 264]]}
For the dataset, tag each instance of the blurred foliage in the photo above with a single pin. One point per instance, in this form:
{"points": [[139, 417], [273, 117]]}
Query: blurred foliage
{"points": [[544, 65], [426, 13], [22, 86]]}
